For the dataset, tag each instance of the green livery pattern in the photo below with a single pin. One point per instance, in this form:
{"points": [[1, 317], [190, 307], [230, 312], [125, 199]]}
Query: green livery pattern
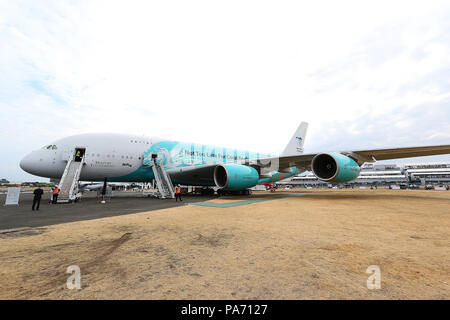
{"points": [[175, 154]]}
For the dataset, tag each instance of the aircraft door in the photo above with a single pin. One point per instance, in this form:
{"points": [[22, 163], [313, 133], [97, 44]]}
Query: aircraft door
{"points": [[78, 154]]}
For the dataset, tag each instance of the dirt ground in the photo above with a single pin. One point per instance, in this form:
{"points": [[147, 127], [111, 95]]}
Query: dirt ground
{"points": [[316, 246]]}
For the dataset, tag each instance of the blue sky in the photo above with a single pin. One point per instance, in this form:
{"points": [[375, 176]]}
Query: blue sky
{"points": [[240, 74]]}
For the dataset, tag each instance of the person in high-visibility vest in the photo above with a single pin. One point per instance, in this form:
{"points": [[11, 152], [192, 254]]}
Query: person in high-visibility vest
{"points": [[55, 195], [78, 156], [178, 193]]}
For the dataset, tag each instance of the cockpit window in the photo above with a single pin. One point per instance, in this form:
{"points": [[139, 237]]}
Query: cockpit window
{"points": [[50, 147], [54, 147]]}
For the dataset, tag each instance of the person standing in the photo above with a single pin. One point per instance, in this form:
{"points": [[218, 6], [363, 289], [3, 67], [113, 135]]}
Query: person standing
{"points": [[37, 197], [55, 194], [78, 156], [178, 193], [50, 201]]}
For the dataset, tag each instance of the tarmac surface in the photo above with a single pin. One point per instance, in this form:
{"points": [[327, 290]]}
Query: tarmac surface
{"points": [[88, 208]]}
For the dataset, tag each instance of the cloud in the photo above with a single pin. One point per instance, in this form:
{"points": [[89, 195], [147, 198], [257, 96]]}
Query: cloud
{"points": [[240, 74], [423, 125]]}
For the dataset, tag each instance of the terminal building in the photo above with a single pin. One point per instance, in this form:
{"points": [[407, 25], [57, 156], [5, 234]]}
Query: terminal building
{"points": [[434, 173], [429, 173]]}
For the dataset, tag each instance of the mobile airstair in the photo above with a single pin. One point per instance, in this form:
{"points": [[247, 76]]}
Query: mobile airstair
{"points": [[69, 182], [162, 179]]}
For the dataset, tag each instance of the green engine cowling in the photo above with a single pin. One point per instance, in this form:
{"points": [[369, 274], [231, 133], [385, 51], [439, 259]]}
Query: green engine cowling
{"points": [[235, 176], [335, 168]]}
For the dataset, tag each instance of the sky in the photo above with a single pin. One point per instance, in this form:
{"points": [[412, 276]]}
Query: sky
{"points": [[240, 74]]}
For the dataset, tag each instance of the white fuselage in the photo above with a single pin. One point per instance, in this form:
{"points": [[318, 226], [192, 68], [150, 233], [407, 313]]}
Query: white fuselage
{"points": [[107, 155], [120, 157]]}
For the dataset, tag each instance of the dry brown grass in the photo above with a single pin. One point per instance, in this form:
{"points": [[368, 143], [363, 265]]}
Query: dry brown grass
{"points": [[313, 247]]}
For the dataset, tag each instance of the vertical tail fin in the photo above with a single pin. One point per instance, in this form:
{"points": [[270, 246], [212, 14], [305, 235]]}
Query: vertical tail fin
{"points": [[295, 145]]}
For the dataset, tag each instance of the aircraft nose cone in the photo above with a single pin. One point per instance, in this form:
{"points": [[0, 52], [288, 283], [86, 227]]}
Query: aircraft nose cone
{"points": [[26, 163]]}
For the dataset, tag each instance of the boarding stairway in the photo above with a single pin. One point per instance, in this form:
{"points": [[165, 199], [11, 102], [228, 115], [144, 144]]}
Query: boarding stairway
{"points": [[69, 182], [162, 179]]}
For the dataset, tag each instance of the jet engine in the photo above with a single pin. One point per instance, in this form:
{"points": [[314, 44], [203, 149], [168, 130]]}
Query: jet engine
{"points": [[235, 176], [335, 167]]}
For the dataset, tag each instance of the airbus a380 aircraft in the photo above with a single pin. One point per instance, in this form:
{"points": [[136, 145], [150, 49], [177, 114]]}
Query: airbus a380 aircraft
{"points": [[126, 158]]}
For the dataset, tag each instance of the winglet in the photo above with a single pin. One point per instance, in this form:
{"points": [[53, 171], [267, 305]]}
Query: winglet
{"points": [[295, 145]]}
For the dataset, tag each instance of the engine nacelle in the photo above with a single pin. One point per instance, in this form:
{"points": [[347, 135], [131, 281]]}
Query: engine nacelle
{"points": [[235, 176], [335, 167]]}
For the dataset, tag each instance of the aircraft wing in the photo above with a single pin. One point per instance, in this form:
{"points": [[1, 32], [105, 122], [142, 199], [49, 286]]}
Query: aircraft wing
{"points": [[398, 153], [304, 160], [301, 161]]}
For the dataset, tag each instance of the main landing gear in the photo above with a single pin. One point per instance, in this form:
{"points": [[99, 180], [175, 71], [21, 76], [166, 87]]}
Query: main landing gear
{"points": [[245, 192]]}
